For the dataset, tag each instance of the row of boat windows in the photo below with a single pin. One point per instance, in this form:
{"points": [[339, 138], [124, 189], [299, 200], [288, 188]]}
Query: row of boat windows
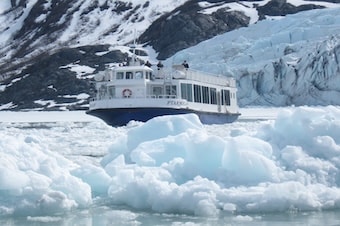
{"points": [[198, 94], [204, 94], [133, 75], [190, 92]]}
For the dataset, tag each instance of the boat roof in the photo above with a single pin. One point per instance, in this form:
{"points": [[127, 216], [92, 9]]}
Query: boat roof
{"points": [[132, 68]]}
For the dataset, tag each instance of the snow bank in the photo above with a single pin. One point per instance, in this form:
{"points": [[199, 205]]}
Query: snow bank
{"points": [[174, 164]]}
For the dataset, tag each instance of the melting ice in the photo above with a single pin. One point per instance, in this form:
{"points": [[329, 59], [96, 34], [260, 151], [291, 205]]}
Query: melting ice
{"points": [[174, 164]]}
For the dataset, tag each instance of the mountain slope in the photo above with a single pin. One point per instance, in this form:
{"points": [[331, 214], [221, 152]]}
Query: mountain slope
{"points": [[31, 27], [49, 49]]}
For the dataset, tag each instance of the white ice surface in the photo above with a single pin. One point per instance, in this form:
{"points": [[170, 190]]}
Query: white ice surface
{"points": [[53, 162]]}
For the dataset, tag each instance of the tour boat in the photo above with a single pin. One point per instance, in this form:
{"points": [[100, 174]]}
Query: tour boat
{"points": [[139, 92]]}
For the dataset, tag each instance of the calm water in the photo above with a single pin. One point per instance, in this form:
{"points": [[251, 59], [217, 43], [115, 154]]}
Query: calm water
{"points": [[104, 215]]}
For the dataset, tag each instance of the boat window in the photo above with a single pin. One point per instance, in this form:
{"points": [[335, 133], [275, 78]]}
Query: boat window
{"points": [[213, 99], [186, 91], [171, 90], [102, 92], [218, 101], [129, 75], [120, 75], [138, 74], [148, 75], [205, 92], [226, 97], [197, 93], [157, 90]]}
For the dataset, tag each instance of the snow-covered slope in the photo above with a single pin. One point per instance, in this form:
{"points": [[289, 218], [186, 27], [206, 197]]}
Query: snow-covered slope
{"points": [[34, 27], [30, 27], [292, 60]]}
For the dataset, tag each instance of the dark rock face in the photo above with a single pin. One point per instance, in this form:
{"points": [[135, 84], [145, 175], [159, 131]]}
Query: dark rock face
{"points": [[48, 79], [185, 27], [282, 8], [47, 30]]}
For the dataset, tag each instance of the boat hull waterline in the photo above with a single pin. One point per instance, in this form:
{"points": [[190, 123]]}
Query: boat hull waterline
{"points": [[122, 116]]}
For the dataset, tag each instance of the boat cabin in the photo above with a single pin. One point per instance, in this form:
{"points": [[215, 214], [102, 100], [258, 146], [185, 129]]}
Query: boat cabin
{"points": [[140, 92], [143, 82]]}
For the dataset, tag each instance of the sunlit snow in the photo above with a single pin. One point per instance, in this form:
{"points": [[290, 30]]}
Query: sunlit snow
{"points": [[4, 6], [80, 70], [286, 160]]}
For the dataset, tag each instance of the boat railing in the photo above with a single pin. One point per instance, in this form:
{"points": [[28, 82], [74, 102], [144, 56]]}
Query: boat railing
{"points": [[196, 75], [162, 96]]}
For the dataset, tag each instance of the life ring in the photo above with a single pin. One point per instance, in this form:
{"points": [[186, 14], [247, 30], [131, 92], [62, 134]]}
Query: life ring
{"points": [[127, 93]]}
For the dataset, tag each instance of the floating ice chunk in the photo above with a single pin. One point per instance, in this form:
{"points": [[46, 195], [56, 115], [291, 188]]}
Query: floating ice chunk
{"points": [[160, 127], [36, 181], [247, 160]]}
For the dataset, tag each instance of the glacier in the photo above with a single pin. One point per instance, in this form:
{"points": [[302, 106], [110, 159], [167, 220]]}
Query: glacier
{"points": [[292, 60]]}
